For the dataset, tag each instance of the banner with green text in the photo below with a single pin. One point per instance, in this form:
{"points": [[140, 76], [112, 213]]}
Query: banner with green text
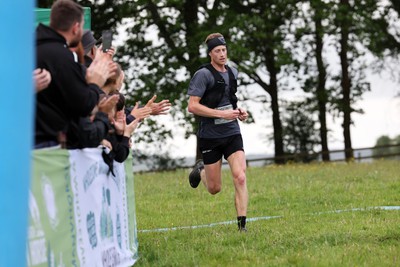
{"points": [[80, 213]]}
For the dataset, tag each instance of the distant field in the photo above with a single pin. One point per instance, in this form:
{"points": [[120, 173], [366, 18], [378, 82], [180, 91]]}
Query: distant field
{"points": [[325, 217]]}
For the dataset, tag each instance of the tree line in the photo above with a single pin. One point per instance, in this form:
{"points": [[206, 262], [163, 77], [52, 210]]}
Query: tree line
{"points": [[277, 45], [386, 146]]}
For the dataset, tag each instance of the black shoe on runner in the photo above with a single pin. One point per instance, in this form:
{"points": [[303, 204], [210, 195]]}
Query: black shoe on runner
{"points": [[194, 176]]}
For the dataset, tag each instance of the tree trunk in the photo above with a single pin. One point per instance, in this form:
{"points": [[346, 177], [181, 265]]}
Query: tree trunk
{"points": [[346, 83], [276, 120], [190, 18], [321, 91]]}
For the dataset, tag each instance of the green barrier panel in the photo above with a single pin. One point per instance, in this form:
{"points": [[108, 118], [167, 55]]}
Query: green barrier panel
{"points": [[43, 16]]}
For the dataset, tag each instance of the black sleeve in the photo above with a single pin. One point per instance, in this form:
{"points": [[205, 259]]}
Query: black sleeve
{"points": [[128, 110], [121, 149], [129, 116], [91, 133], [80, 97], [129, 119]]}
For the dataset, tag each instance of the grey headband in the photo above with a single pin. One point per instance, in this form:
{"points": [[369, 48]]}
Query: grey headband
{"points": [[216, 41]]}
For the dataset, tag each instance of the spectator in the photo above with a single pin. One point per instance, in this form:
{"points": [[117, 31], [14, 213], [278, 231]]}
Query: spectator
{"points": [[151, 108], [114, 83], [70, 95], [79, 54], [119, 139], [90, 131], [89, 46]]}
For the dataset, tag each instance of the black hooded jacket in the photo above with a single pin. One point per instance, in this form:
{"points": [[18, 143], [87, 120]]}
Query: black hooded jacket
{"points": [[68, 96]]}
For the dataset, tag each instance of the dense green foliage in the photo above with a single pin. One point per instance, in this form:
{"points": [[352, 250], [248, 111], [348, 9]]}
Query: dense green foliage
{"points": [[308, 233]]}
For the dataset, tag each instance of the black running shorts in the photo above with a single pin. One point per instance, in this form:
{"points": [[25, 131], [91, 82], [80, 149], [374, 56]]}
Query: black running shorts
{"points": [[212, 149]]}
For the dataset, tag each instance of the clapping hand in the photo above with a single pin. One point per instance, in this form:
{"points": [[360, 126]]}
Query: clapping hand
{"points": [[120, 122], [131, 127], [107, 104], [140, 113], [160, 108], [100, 70]]}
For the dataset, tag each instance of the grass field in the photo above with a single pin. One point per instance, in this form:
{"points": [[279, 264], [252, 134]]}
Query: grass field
{"points": [[324, 218]]}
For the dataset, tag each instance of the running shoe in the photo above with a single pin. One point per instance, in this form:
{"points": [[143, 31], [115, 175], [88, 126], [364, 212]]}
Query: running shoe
{"points": [[194, 176]]}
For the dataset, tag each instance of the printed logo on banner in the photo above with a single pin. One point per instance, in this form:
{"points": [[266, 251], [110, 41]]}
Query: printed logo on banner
{"points": [[37, 240], [118, 222], [116, 178], [91, 228], [43, 211], [101, 213], [106, 223], [110, 257], [90, 175], [50, 201], [79, 212], [51, 261], [103, 168]]}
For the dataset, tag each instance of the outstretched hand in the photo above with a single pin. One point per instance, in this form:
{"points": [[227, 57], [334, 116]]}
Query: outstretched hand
{"points": [[120, 122], [131, 127], [140, 113], [160, 108], [107, 104]]}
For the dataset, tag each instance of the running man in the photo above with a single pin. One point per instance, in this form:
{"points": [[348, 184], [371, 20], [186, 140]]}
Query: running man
{"points": [[212, 97]]}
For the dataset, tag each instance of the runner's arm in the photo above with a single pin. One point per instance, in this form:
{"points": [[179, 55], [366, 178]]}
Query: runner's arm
{"points": [[199, 109]]}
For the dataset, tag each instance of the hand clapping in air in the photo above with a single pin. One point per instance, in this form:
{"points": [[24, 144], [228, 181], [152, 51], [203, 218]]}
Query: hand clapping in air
{"points": [[160, 108]]}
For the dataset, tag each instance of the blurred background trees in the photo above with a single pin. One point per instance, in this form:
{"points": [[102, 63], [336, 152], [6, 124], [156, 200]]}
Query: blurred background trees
{"points": [[277, 45], [387, 146]]}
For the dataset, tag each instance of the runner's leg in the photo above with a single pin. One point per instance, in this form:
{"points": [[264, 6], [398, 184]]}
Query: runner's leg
{"points": [[237, 163], [211, 177]]}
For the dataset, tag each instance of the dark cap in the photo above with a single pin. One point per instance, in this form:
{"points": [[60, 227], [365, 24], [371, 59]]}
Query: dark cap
{"points": [[88, 40]]}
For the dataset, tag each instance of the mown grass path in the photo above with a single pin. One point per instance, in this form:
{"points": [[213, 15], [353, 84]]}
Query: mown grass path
{"points": [[306, 231]]}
